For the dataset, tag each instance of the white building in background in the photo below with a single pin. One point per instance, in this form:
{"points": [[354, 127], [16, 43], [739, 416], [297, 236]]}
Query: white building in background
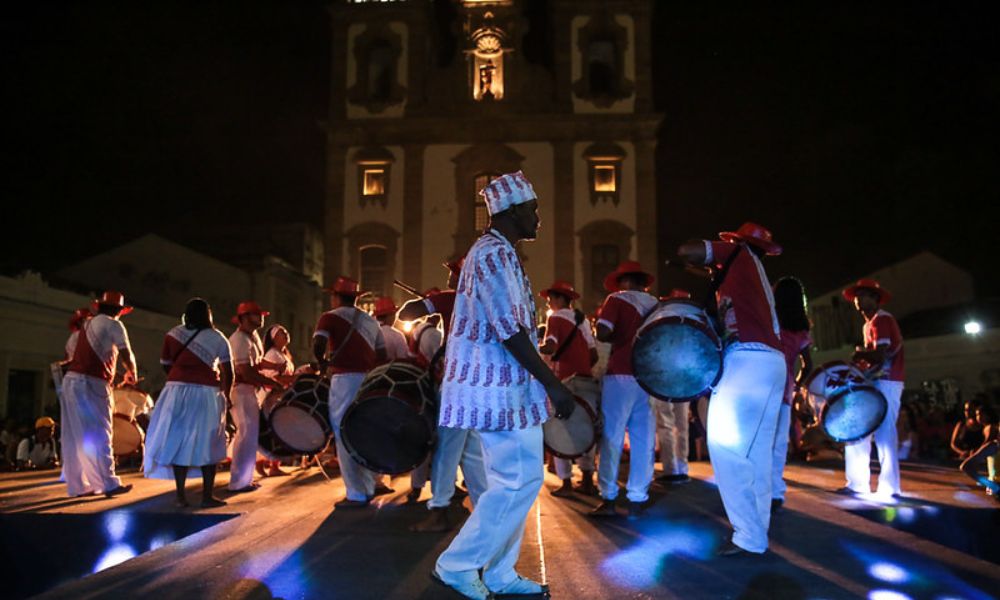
{"points": [[424, 113], [933, 300], [157, 276]]}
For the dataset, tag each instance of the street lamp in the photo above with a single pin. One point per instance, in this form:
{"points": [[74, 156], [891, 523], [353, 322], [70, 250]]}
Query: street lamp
{"points": [[973, 328]]}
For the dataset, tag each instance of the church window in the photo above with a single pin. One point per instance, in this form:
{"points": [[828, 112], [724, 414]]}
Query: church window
{"points": [[374, 262], [604, 165], [374, 166], [602, 66]]}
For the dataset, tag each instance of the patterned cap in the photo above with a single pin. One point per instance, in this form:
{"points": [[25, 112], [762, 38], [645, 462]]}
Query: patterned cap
{"points": [[506, 191]]}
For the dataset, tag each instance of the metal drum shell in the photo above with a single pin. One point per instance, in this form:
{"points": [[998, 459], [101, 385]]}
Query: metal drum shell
{"points": [[309, 394], [687, 314], [123, 426]]}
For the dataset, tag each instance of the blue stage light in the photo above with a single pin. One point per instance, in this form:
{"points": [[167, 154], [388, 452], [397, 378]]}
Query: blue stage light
{"points": [[888, 572]]}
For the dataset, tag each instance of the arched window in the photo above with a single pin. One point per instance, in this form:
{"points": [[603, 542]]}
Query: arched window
{"points": [[381, 71], [374, 269], [602, 67], [604, 259], [482, 213]]}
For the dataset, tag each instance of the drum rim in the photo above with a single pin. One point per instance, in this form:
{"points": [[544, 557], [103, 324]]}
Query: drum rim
{"points": [[594, 418], [326, 427], [684, 321], [839, 394], [364, 462], [265, 429], [823, 368]]}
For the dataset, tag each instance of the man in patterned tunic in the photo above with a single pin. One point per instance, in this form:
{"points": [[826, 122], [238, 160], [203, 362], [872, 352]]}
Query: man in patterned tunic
{"points": [[496, 383]]}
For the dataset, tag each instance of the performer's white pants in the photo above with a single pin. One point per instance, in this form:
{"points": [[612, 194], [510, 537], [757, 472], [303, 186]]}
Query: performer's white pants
{"points": [[359, 481], [672, 429], [857, 455], [88, 461], [454, 447], [781, 434], [418, 476], [491, 537], [742, 418], [587, 462], [625, 405], [246, 416]]}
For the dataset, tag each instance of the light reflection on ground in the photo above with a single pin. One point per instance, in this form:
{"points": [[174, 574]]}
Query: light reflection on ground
{"points": [[639, 566]]}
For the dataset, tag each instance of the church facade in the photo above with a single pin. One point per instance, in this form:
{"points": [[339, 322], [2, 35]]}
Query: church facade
{"points": [[430, 99]]}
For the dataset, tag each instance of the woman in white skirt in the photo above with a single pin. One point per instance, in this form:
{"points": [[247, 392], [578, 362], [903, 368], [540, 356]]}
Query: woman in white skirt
{"points": [[187, 428], [278, 365]]}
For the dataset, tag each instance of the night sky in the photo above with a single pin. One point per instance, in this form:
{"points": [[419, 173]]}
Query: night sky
{"points": [[860, 135]]}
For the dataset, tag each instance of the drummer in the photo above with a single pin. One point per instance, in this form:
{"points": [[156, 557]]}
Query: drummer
{"points": [[247, 353], [882, 357], [357, 345], [570, 344], [428, 338], [454, 446], [625, 405], [279, 366], [743, 410], [673, 424], [87, 399]]}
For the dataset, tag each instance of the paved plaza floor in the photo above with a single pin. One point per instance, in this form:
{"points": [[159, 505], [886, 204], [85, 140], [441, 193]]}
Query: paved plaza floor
{"points": [[286, 541]]}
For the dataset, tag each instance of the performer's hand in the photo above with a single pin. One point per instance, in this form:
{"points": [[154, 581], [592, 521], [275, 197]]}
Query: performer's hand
{"points": [[562, 400], [129, 378]]}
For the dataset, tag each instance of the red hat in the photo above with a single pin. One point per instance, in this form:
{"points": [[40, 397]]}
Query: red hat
{"points": [[560, 287], [755, 235], [867, 284], [112, 298], [629, 267], [455, 266], [384, 306], [345, 286], [248, 308], [79, 316], [676, 294]]}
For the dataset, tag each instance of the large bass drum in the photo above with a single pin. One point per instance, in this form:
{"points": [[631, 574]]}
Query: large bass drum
{"points": [[391, 425], [299, 423], [677, 356], [127, 437], [849, 405], [575, 436]]}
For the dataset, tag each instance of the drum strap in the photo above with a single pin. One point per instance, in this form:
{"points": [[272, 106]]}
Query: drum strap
{"points": [[569, 338], [186, 344], [354, 325]]}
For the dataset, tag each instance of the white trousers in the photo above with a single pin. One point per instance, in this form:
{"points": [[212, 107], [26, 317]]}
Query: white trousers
{"points": [[742, 418], [781, 434], [857, 455], [587, 462], [246, 416], [672, 430], [491, 537], [359, 481], [418, 476], [456, 447], [88, 460], [625, 405]]}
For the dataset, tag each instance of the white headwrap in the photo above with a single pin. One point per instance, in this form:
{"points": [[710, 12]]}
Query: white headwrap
{"points": [[506, 191]]}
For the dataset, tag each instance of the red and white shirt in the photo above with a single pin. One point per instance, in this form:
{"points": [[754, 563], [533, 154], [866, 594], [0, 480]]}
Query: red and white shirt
{"points": [[623, 313], [746, 305], [395, 343], [71, 344], [442, 303], [199, 362], [792, 345], [427, 340], [485, 387], [575, 359], [277, 357], [95, 353], [883, 331], [246, 349], [358, 354]]}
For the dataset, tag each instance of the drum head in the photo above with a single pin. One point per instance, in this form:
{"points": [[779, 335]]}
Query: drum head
{"points": [[299, 427], [127, 436], [676, 359], [572, 437], [854, 412], [386, 435], [832, 376], [269, 444]]}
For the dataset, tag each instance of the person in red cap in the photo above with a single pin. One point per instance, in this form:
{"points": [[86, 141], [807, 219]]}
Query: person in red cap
{"points": [[569, 343], [355, 341], [624, 404], [87, 399], [395, 342], [455, 447], [672, 423], [743, 409], [882, 355], [248, 393]]}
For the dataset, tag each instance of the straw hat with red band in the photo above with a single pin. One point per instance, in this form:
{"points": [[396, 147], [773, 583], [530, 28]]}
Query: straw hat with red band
{"points": [[676, 294], [629, 267], [248, 308], [867, 284], [79, 316], [344, 286], [385, 306], [563, 288], [112, 298], [755, 235]]}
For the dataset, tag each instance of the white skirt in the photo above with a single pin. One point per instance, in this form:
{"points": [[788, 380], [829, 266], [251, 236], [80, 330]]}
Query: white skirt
{"points": [[187, 428]]}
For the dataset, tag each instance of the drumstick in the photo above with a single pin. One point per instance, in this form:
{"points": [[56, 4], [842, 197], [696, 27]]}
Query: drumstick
{"points": [[407, 288], [703, 272]]}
